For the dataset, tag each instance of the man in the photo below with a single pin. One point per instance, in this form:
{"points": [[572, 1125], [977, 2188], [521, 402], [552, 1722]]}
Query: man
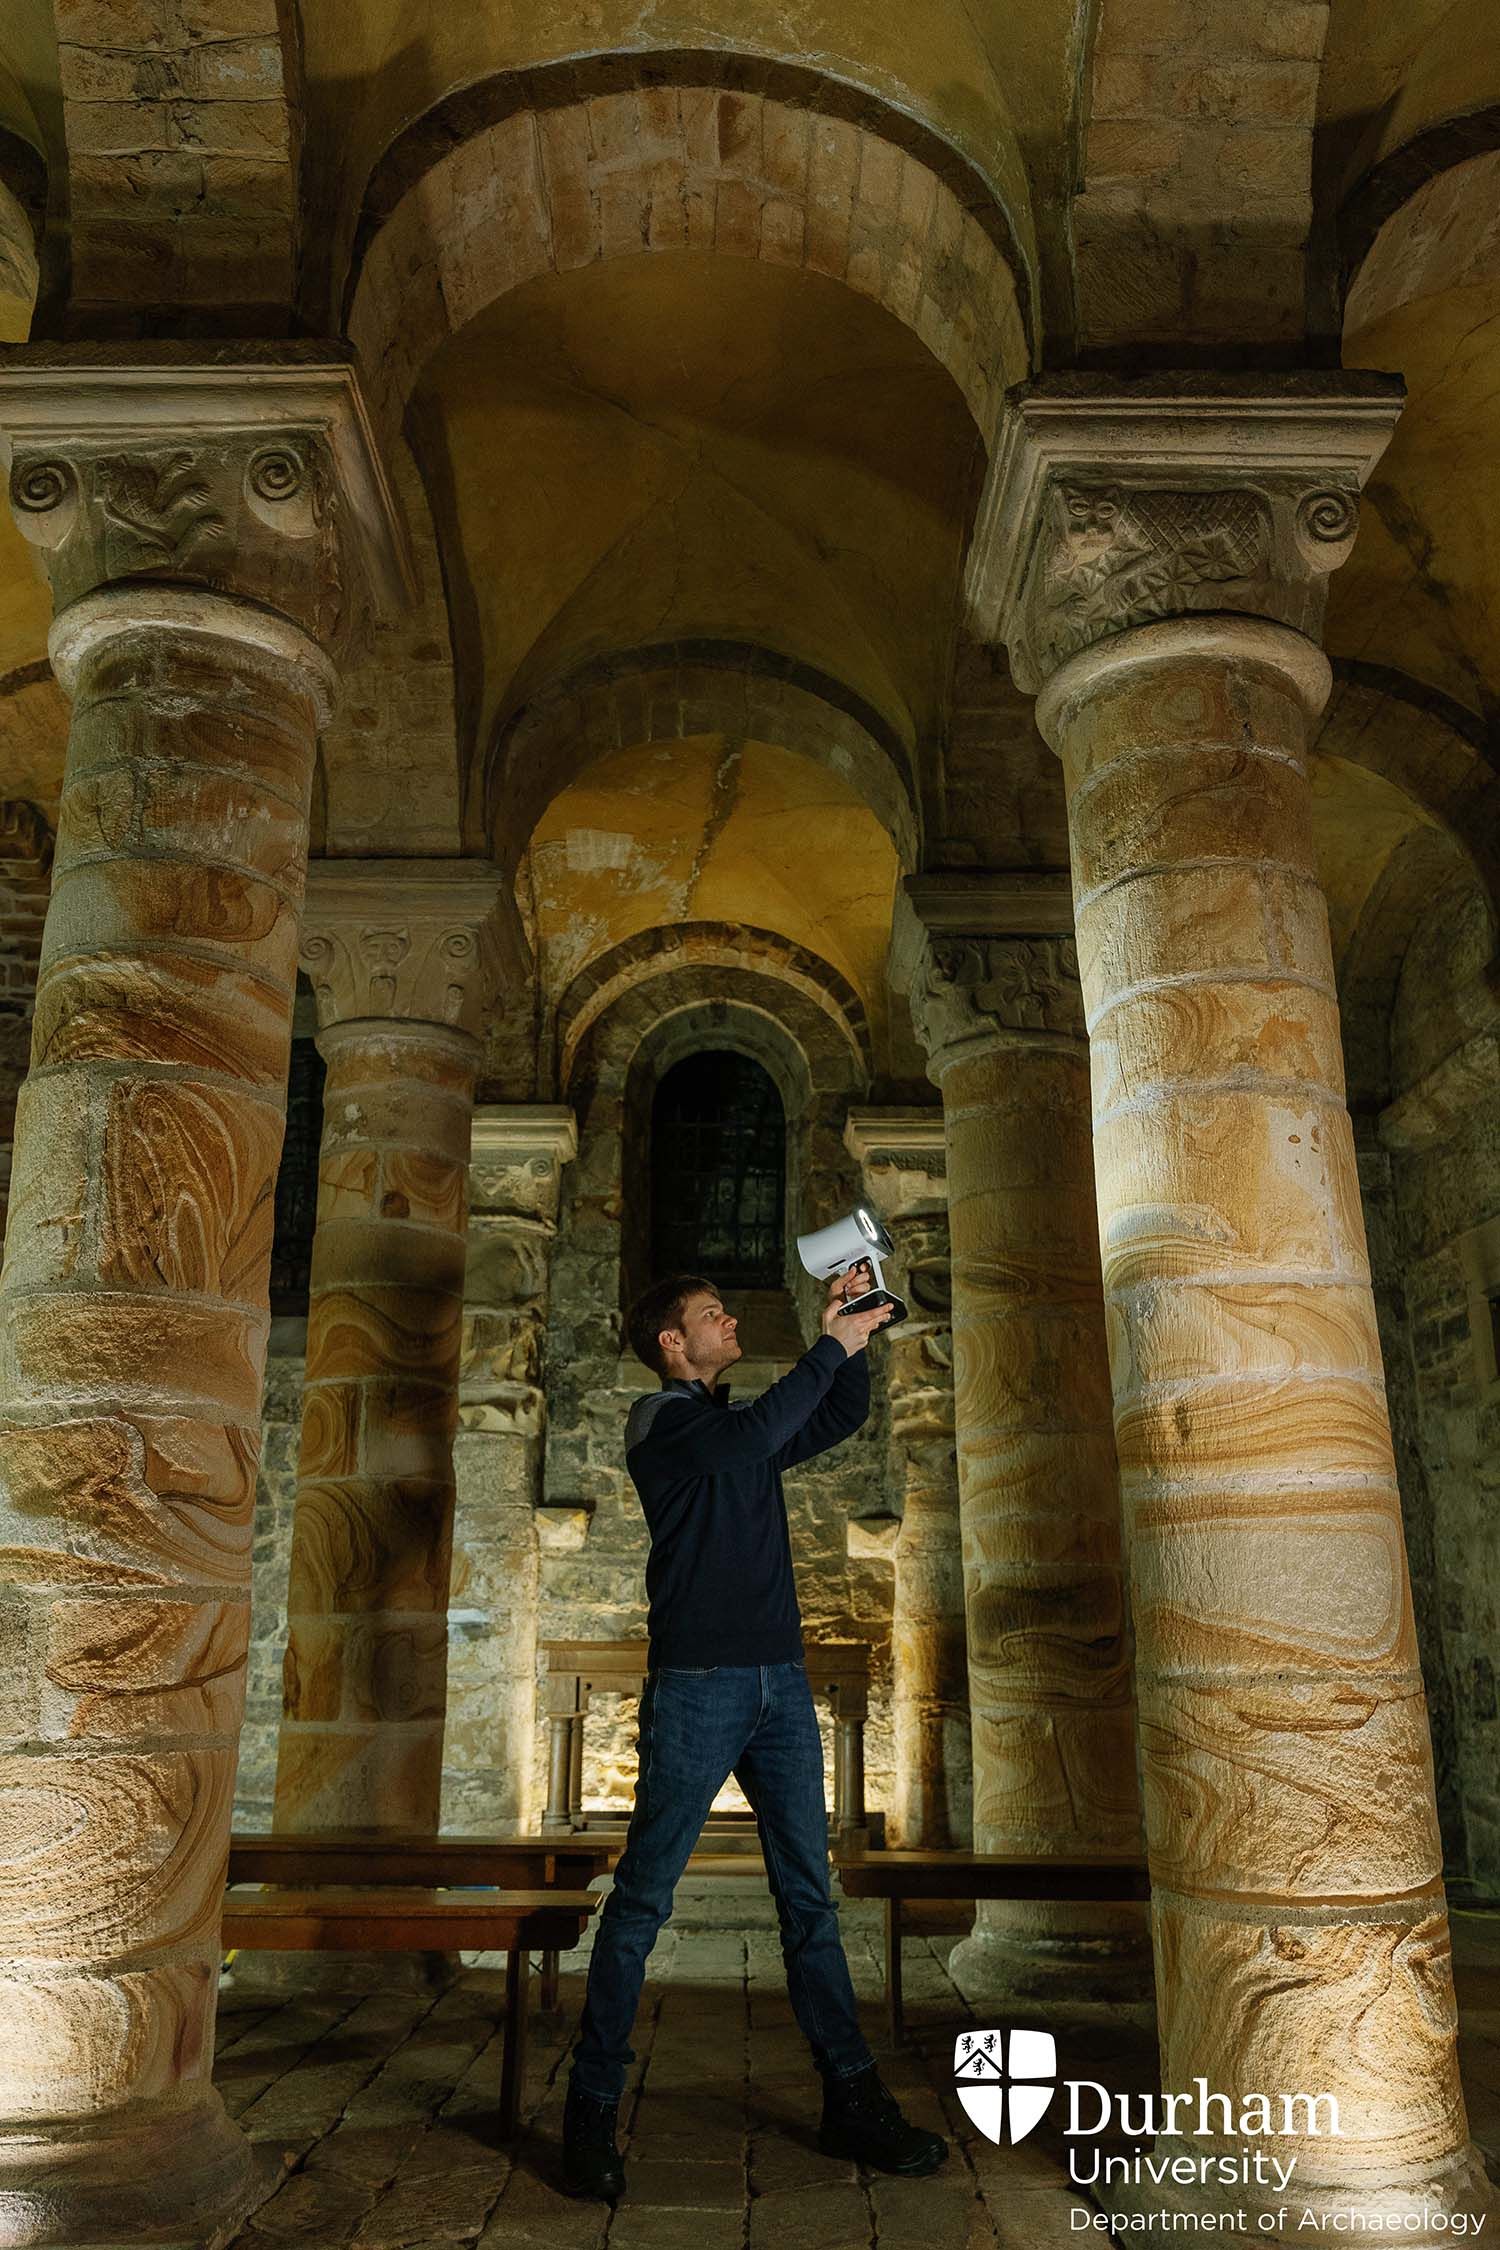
{"points": [[726, 1692]]}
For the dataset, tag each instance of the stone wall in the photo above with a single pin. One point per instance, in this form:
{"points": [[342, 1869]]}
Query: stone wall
{"points": [[275, 1503], [1435, 1245]]}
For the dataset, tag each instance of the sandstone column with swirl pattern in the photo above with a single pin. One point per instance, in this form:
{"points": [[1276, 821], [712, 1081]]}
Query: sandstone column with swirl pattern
{"points": [[900, 1152], [1159, 558], [400, 956], [1049, 1662], [192, 519]]}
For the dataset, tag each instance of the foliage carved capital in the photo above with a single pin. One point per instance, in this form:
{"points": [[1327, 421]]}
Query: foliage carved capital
{"points": [[973, 992], [408, 941], [1114, 504]]}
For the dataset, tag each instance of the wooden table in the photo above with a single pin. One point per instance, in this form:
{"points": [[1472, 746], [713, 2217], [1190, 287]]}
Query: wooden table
{"points": [[577, 1670], [348, 1856], [895, 1876], [337, 1919]]}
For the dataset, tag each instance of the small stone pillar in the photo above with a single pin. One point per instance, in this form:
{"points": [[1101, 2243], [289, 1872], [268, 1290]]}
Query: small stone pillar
{"points": [[192, 517], [1157, 555], [515, 1180], [901, 1155], [401, 956], [998, 1010], [25, 880]]}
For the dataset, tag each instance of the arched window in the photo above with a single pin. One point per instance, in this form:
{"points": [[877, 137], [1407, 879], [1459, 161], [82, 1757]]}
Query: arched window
{"points": [[718, 1172]]}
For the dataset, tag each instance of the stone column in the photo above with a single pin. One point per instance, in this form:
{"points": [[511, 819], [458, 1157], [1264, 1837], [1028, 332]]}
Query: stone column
{"points": [[1049, 1662], [25, 879], [900, 1153], [401, 958], [191, 517], [515, 1180], [1158, 556]]}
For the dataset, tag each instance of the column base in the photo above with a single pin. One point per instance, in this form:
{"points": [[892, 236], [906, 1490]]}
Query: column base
{"points": [[999, 1967], [1457, 2197], [179, 2176], [288, 1975]]}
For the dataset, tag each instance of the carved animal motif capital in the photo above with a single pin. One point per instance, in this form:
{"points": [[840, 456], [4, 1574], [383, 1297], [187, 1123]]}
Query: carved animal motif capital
{"points": [[250, 473], [1112, 505], [224, 512]]}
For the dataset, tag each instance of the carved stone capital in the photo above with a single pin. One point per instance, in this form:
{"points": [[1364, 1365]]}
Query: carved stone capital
{"points": [[516, 1156], [1112, 504], [404, 940], [983, 960], [994, 991], [250, 474], [902, 1156]]}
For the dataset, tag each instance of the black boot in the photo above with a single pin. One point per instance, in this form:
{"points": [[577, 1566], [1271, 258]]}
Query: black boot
{"points": [[862, 2119], [591, 2162]]}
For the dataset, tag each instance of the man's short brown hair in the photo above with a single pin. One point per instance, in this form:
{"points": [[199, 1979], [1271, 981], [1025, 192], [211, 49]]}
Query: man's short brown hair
{"points": [[661, 1307]]}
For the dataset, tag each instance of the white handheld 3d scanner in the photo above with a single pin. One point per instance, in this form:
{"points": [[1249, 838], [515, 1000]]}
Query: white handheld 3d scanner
{"points": [[861, 1239]]}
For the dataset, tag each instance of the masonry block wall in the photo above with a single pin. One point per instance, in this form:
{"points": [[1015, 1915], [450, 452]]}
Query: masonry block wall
{"points": [[1439, 1286]]}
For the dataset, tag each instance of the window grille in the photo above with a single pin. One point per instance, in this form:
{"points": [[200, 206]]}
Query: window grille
{"points": [[718, 1173], [297, 1183]]}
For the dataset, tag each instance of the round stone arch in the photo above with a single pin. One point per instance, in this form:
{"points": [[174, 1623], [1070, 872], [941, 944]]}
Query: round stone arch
{"points": [[685, 688], [1428, 880], [614, 1074], [531, 178], [717, 945], [1445, 872], [1423, 221], [1428, 747], [23, 203]]}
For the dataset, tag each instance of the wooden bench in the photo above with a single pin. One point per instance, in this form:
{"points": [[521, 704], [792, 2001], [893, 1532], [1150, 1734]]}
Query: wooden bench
{"points": [[896, 1876], [508, 1863], [334, 1919]]}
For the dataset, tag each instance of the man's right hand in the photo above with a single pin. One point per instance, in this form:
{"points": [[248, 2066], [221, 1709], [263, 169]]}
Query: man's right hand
{"points": [[852, 1330]]}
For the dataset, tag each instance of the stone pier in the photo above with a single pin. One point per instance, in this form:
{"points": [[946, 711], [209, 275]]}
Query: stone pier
{"points": [[519, 1152], [1157, 557], [993, 985], [402, 957], [901, 1156], [191, 516]]}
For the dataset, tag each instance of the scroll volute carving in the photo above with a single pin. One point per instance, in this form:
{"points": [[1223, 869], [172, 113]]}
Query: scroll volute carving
{"points": [[413, 967], [1113, 504], [226, 510], [1109, 556]]}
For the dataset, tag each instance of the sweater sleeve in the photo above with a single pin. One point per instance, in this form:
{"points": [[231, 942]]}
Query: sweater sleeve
{"points": [[690, 1437], [836, 1416]]}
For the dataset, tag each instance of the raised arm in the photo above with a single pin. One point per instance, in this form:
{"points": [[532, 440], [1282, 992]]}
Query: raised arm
{"points": [[836, 1416], [691, 1437]]}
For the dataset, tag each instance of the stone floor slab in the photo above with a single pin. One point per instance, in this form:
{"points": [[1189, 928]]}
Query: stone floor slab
{"points": [[389, 2106]]}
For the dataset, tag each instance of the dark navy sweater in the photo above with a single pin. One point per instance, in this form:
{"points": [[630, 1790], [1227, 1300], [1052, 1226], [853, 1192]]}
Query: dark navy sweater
{"points": [[719, 1576]]}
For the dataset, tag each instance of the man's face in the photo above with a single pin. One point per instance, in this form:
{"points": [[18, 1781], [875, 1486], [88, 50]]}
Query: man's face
{"points": [[709, 1341]]}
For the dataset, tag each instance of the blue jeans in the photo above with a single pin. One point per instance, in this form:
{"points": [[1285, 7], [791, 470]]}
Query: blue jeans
{"points": [[757, 1722]]}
